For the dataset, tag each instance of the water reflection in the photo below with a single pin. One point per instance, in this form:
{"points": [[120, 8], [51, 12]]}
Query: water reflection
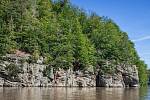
{"points": [[144, 93], [74, 94]]}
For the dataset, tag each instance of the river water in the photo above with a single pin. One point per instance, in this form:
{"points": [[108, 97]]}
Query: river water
{"points": [[62, 93]]}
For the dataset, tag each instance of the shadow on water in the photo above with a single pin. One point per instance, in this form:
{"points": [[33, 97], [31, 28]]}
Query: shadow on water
{"points": [[144, 93]]}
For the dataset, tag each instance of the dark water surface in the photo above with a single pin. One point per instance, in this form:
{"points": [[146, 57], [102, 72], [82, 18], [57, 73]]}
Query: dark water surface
{"points": [[74, 93]]}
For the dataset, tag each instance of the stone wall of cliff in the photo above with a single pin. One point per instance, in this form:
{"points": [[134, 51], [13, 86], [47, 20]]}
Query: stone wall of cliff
{"points": [[19, 71]]}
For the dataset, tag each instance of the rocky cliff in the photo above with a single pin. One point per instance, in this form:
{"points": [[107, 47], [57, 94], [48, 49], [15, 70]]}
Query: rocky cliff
{"points": [[124, 76], [20, 71]]}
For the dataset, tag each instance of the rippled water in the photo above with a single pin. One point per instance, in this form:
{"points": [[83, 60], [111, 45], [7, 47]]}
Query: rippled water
{"points": [[74, 94]]}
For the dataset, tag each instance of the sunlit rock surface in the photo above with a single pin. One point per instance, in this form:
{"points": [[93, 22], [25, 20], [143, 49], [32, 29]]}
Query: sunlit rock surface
{"points": [[20, 71]]}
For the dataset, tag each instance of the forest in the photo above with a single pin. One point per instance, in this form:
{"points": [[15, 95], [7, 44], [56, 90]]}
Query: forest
{"points": [[66, 36]]}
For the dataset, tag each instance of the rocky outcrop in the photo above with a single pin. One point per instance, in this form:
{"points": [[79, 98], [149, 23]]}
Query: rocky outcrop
{"points": [[130, 76], [110, 81], [125, 76], [73, 78], [20, 71], [16, 71]]}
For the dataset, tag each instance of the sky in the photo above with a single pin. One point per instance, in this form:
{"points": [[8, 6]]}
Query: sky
{"points": [[133, 17]]}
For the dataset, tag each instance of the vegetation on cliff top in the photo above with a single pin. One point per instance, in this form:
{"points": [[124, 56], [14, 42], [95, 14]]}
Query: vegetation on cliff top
{"points": [[65, 35]]}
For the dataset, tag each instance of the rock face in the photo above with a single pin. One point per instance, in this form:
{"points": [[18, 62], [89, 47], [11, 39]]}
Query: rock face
{"points": [[126, 76], [16, 71], [20, 71], [73, 78]]}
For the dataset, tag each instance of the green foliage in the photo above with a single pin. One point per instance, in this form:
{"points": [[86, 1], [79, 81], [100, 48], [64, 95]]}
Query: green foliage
{"points": [[13, 69], [36, 55], [142, 69], [107, 67], [47, 58], [65, 36]]}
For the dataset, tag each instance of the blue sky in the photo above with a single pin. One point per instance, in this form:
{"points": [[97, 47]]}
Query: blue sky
{"points": [[133, 17]]}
